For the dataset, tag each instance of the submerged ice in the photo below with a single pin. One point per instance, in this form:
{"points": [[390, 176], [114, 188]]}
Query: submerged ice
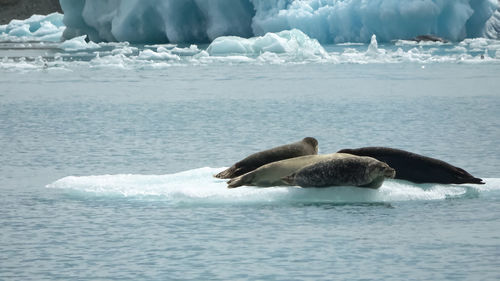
{"points": [[329, 21]]}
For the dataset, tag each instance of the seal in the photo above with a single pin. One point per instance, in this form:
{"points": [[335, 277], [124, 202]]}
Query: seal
{"points": [[271, 174], [417, 168], [429, 38], [360, 171], [307, 146]]}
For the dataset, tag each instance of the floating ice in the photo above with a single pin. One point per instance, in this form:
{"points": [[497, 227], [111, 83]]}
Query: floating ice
{"points": [[198, 186], [373, 47], [37, 27], [160, 54], [329, 21], [124, 56], [284, 47], [292, 42], [77, 44]]}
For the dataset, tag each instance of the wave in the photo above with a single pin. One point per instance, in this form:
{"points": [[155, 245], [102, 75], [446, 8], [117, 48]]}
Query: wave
{"points": [[197, 186], [329, 21]]}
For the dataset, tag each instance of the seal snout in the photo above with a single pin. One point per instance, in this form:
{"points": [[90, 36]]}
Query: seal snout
{"points": [[390, 172]]}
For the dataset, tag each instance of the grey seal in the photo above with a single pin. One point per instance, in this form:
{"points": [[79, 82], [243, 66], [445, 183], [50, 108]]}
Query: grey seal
{"points": [[417, 168], [357, 171], [307, 146], [271, 174]]}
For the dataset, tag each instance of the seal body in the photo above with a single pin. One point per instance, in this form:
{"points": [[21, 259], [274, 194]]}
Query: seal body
{"points": [[307, 146], [417, 168], [271, 174], [429, 38], [358, 171]]}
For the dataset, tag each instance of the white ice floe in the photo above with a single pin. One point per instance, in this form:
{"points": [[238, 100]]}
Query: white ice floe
{"points": [[198, 186]]}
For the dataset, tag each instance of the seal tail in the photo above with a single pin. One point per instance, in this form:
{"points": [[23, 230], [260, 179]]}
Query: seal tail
{"points": [[239, 181], [464, 177], [473, 180], [477, 181], [227, 173]]}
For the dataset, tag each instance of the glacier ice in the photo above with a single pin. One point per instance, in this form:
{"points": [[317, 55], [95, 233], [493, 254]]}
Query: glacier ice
{"points": [[157, 21], [492, 28], [329, 21]]}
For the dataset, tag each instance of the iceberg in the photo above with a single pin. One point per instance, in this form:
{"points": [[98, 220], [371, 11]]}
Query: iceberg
{"points": [[328, 21]]}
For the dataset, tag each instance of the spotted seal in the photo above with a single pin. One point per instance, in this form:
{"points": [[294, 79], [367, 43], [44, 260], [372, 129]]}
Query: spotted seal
{"points": [[358, 171], [271, 174]]}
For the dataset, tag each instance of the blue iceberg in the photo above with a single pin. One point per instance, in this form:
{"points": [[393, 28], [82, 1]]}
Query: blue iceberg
{"points": [[328, 21]]}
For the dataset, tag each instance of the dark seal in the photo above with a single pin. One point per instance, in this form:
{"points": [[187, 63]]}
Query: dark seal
{"points": [[360, 171], [307, 146], [429, 38], [417, 168]]}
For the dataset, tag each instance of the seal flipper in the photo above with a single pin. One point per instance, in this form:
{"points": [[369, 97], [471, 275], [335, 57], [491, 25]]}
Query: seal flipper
{"points": [[375, 184], [290, 179], [241, 180]]}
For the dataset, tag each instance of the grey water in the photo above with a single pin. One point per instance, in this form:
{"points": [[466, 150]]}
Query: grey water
{"points": [[90, 121]]}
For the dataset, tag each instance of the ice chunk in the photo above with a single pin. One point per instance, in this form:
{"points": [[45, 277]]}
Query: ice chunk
{"points": [[78, 43], [293, 42], [373, 47], [37, 27], [160, 54], [20, 31]]}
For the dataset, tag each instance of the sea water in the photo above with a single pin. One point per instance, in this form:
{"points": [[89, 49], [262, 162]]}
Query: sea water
{"points": [[108, 151]]}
